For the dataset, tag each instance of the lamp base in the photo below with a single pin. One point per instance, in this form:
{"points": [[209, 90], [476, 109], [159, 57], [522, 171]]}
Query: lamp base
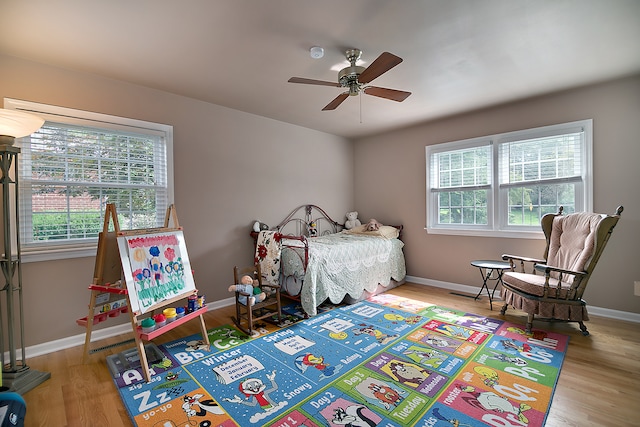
{"points": [[7, 140], [24, 379]]}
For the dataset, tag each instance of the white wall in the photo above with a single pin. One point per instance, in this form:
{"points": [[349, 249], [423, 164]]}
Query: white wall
{"points": [[231, 168], [390, 185]]}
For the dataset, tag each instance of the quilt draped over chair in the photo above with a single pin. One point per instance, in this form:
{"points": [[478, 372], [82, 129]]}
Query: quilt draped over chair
{"points": [[268, 252], [554, 287]]}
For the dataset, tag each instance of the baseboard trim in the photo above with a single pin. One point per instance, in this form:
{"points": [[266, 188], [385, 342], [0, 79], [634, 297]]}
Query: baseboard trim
{"points": [[593, 310], [100, 334]]}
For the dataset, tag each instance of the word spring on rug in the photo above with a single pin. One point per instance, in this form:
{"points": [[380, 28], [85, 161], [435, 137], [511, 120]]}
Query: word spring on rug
{"points": [[387, 361]]}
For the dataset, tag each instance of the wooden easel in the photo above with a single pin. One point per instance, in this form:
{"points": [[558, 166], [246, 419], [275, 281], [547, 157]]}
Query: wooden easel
{"points": [[107, 275], [108, 279]]}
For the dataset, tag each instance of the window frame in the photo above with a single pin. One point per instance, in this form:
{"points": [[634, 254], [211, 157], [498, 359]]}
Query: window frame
{"points": [[498, 195], [73, 117]]}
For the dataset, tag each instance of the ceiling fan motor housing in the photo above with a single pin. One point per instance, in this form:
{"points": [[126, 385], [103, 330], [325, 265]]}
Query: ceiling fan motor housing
{"points": [[348, 77]]}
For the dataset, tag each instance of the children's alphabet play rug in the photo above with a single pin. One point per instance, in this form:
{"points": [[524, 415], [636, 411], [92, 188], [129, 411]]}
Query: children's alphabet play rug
{"points": [[388, 361]]}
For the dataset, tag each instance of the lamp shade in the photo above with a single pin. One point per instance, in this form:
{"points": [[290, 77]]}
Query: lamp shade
{"points": [[17, 124]]}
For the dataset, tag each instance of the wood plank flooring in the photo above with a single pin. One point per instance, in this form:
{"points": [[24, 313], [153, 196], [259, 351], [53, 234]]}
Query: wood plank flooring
{"points": [[599, 383]]}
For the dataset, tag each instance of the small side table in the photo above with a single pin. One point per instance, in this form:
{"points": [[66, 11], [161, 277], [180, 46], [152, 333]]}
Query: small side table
{"points": [[490, 270]]}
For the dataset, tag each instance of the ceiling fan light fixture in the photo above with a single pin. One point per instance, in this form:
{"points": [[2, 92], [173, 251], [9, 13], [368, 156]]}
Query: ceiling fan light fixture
{"points": [[349, 75]]}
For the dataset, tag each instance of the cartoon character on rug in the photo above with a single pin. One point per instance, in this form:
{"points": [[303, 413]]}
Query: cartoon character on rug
{"points": [[438, 342], [517, 361], [535, 334], [232, 334], [387, 396], [455, 331], [165, 363], [513, 346], [202, 406], [454, 422], [489, 401], [256, 393], [381, 337], [381, 393], [396, 318], [308, 360], [425, 357], [352, 416], [408, 373], [489, 376], [196, 345]]}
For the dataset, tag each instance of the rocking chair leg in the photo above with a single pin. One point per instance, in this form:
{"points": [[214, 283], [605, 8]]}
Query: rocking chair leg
{"points": [[504, 309], [583, 328], [529, 323]]}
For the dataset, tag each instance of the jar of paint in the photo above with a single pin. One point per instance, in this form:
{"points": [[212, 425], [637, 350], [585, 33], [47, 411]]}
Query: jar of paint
{"points": [[179, 312], [160, 320], [169, 314], [148, 325]]}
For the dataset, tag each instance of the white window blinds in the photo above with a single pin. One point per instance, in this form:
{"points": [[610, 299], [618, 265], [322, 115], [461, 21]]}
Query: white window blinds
{"points": [[539, 160], [75, 164], [69, 173]]}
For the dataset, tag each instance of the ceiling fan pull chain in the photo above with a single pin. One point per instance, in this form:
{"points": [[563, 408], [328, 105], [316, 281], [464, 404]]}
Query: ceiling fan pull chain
{"points": [[360, 97]]}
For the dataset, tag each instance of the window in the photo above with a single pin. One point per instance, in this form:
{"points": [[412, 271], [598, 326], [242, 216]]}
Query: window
{"points": [[501, 185], [77, 163]]}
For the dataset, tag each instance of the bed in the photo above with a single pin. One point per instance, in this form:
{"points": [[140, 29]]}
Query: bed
{"points": [[319, 260]]}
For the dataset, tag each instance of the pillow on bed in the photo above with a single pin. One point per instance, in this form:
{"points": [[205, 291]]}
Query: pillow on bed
{"points": [[385, 231]]}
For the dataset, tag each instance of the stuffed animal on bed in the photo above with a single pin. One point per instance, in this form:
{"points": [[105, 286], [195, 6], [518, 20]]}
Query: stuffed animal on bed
{"points": [[248, 285], [313, 229], [352, 220], [373, 225], [259, 226]]}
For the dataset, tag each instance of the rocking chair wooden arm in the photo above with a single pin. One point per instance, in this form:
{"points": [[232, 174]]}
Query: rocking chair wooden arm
{"points": [[272, 286], [522, 259], [547, 269]]}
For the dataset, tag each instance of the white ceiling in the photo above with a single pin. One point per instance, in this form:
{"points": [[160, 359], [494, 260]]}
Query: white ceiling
{"points": [[459, 55]]}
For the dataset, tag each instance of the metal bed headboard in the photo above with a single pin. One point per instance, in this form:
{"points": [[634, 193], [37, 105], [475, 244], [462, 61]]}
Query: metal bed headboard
{"points": [[309, 221]]}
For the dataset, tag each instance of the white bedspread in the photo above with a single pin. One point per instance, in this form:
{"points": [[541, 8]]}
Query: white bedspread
{"points": [[341, 264]]}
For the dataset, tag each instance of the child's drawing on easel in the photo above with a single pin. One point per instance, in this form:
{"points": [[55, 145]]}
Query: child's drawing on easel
{"points": [[156, 268]]}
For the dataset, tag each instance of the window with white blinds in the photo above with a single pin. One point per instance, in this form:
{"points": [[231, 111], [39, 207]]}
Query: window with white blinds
{"points": [[461, 181], [501, 185], [77, 163]]}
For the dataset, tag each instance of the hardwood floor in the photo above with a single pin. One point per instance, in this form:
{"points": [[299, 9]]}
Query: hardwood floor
{"points": [[599, 383]]}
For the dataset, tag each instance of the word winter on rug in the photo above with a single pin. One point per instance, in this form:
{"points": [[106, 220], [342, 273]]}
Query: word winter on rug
{"points": [[387, 361]]}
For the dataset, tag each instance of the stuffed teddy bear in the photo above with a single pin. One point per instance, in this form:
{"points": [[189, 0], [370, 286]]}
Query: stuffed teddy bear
{"points": [[373, 225], [248, 285], [352, 220]]}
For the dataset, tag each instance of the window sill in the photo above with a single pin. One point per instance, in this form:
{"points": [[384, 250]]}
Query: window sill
{"points": [[58, 253], [511, 234]]}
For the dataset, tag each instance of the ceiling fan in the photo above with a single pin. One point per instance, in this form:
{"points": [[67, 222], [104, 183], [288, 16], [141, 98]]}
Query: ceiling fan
{"points": [[356, 78]]}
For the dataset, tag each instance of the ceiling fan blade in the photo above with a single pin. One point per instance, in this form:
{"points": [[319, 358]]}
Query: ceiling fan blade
{"points": [[392, 94], [336, 102], [381, 65], [312, 82]]}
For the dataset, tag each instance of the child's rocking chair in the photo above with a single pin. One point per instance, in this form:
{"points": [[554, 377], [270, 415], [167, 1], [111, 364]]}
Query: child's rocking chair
{"points": [[246, 313]]}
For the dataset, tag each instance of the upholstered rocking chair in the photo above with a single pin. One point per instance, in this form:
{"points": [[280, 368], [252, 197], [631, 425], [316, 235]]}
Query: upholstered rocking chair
{"points": [[554, 286]]}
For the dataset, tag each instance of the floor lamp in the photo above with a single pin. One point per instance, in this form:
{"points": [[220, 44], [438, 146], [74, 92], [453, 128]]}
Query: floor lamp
{"points": [[16, 376]]}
